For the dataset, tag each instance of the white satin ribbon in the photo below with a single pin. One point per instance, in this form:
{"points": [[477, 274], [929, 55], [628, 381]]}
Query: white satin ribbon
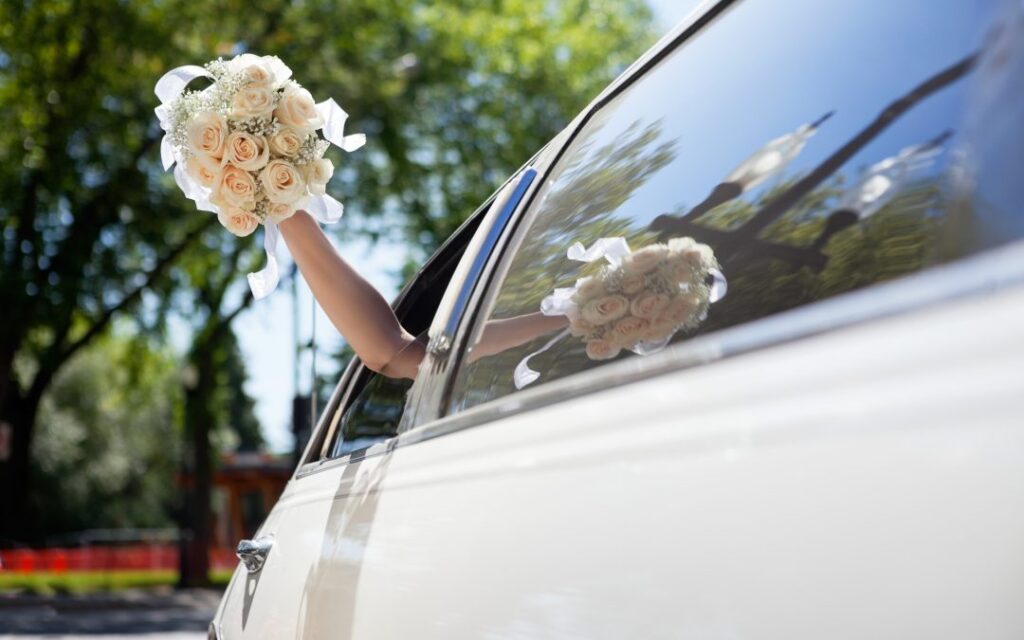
{"points": [[334, 118], [262, 282], [168, 88], [719, 286], [324, 209], [524, 375], [611, 249]]}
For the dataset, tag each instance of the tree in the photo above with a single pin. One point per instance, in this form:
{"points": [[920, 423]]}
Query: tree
{"points": [[109, 439], [453, 94]]}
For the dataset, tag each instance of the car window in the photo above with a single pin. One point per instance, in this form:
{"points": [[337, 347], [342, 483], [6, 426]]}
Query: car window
{"points": [[373, 415], [370, 408], [789, 152]]}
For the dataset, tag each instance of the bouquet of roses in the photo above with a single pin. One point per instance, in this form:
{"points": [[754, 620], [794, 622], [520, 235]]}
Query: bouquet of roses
{"points": [[247, 148], [638, 301]]}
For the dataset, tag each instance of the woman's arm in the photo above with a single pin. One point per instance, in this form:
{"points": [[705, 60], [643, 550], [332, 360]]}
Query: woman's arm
{"points": [[355, 308]]}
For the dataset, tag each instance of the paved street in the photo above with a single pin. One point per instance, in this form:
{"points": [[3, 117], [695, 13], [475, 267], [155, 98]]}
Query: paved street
{"points": [[170, 615]]}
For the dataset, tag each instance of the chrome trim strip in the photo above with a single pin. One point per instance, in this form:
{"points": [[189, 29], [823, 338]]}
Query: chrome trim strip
{"points": [[974, 276], [458, 308]]}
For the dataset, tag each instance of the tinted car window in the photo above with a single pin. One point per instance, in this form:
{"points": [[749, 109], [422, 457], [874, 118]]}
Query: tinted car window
{"points": [[813, 148]]}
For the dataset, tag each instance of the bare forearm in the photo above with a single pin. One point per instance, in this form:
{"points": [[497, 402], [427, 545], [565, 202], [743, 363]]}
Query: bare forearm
{"points": [[356, 309]]}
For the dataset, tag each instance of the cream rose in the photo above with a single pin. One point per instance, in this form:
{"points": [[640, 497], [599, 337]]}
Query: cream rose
{"points": [[627, 331], [699, 256], [587, 288], [279, 212], [658, 328], [318, 173], [648, 305], [296, 109], [645, 259], [631, 283], [680, 268], [207, 132], [246, 151], [203, 169], [286, 142], [680, 310], [282, 182], [259, 75], [678, 245], [581, 328], [235, 188], [599, 349], [605, 309], [237, 220], [252, 101]]}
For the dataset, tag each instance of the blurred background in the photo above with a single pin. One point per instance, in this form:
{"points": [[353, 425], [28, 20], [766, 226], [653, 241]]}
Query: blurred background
{"points": [[151, 411]]}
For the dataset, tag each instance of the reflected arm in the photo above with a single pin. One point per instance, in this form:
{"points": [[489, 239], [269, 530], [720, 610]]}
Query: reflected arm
{"points": [[506, 333]]}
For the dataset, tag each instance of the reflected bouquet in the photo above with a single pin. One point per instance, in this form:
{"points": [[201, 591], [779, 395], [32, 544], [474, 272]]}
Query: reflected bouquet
{"points": [[637, 301], [247, 147]]}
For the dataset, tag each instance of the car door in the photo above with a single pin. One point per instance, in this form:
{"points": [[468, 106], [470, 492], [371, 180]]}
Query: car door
{"points": [[833, 450], [317, 529]]}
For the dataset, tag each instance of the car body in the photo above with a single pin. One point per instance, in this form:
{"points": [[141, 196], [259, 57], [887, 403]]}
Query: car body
{"points": [[837, 451]]}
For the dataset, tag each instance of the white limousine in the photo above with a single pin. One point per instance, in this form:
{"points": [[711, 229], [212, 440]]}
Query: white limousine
{"points": [[830, 446]]}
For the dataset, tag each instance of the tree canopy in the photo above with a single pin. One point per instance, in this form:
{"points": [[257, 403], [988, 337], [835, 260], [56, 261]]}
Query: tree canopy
{"points": [[453, 95]]}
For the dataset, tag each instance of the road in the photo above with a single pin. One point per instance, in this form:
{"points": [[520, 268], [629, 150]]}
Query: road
{"points": [[169, 615]]}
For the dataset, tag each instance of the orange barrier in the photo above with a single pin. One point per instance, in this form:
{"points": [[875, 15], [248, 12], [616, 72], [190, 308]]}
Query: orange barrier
{"points": [[106, 558]]}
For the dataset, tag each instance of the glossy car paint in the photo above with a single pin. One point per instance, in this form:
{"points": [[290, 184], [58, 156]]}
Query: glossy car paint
{"points": [[862, 483]]}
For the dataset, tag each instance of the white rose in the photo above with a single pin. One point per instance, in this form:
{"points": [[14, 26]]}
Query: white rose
{"points": [[627, 331], [678, 245], [207, 132], [700, 256], [605, 309], [237, 220], [235, 188], [680, 268], [658, 328], [648, 305], [599, 349], [587, 288], [318, 173], [296, 109], [581, 328], [279, 212], [264, 70], [286, 142], [252, 101], [246, 151], [645, 259], [282, 182], [631, 283], [203, 169]]}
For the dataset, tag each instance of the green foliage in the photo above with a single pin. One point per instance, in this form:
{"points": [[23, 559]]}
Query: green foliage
{"points": [[77, 582], [453, 95], [109, 439]]}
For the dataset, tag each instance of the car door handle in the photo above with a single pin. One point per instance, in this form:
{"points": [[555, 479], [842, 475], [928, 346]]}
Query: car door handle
{"points": [[253, 553]]}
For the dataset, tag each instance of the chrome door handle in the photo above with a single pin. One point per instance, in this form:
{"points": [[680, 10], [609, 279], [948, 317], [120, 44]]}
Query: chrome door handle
{"points": [[253, 553]]}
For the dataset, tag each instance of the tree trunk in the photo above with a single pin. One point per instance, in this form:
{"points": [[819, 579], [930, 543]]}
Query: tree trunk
{"points": [[19, 414], [196, 563]]}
